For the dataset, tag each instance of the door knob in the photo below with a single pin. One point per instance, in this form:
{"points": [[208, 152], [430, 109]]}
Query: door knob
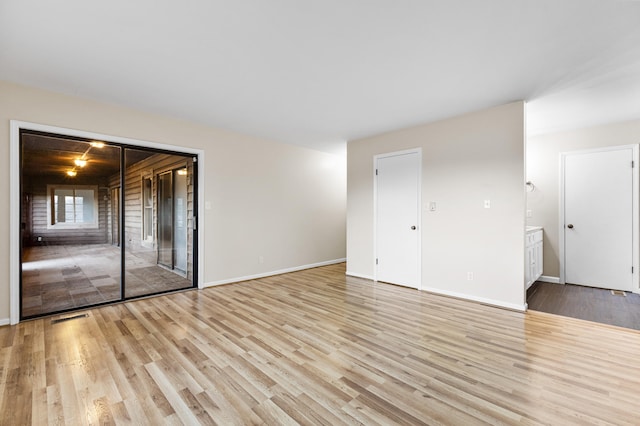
{"points": [[570, 226], [413, 228]]}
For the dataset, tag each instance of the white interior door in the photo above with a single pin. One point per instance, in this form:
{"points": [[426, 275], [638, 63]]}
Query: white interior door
{"points": [[598, 218], [397, 218]]}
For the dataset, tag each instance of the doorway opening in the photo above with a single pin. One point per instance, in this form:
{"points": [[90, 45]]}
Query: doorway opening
{"points": [[598, 239], [102, 221]]}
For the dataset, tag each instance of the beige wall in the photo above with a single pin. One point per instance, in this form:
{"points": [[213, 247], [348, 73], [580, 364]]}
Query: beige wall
{"points": [[268, 199], [543, 169], [465, 160]]}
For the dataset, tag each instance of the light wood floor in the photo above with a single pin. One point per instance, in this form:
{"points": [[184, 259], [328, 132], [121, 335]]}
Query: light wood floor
{"points": [[316, 347]]}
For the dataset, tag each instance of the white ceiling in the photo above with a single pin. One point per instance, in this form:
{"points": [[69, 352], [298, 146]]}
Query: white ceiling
{"points": [[318, 73]]}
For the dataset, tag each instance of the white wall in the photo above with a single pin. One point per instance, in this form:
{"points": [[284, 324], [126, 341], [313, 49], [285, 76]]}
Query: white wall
{"points": [[282, 202], [543, 169], [465, 160]]}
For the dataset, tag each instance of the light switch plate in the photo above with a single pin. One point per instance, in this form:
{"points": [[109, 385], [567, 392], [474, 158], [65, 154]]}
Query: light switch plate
{"points": [[487, 204]]}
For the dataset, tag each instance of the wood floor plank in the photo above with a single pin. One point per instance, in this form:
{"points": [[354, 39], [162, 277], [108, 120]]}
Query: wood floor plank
{"points": [[55, 411], [172, 393], [315, 348]]}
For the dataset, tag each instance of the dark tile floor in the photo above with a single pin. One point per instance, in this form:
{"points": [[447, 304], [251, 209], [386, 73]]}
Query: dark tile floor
{"points": [[58, 278], [593, 304]]}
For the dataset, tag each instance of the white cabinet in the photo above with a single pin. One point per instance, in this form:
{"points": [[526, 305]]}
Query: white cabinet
{"points": [[533, 260]]}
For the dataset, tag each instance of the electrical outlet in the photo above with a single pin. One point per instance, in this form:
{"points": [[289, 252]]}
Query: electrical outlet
{"points": [[432, 206], [529, 213], [469, 276]]}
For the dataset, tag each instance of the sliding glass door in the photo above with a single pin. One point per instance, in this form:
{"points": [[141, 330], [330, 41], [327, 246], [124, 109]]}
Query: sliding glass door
{"points": [[102, 222], [159, 222], [67, 261]]}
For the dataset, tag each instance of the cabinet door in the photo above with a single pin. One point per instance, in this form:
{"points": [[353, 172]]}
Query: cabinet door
{"points": [[533, 266], [527, 267], [539, 264]]}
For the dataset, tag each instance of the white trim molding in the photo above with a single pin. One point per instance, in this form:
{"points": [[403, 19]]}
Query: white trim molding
{"points": [[272, 273], [548, 279], [496, 303], [14, 222], [14, 196], [356, 275]]}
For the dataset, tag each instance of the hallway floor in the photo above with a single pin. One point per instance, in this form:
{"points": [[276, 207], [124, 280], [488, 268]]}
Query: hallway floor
{"points": [[592, 304]]}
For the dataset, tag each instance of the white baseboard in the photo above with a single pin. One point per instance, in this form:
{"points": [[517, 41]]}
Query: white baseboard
{"points": [[4, 321], [547, 279], [497, 303], [353, 274], [272, 273]]}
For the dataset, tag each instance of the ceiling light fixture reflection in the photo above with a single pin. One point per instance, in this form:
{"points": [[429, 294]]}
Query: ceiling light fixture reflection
{"points": [[182, 172], [71, 173], [97, 144], [80, 162]]}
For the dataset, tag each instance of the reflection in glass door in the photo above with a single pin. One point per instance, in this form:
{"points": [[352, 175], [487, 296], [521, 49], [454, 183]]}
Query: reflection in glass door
{"points": [[172, 220], [159, 224], [180, 231], [67, 259], [102, 223], [165, 220], [114, 216]]}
